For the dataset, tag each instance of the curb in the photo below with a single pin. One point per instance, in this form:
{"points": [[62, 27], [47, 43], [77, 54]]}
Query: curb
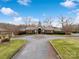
{"points": [[59, 56]]}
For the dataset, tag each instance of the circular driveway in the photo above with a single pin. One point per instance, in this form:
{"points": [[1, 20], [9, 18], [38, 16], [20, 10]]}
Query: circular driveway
{"points": [[38, 48]]}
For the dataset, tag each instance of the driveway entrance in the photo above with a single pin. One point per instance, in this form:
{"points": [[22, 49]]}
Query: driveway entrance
{"points": [[38, 48]]}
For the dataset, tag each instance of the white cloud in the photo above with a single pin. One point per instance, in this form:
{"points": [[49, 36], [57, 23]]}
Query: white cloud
{"points": [[20, 20], [77, 11], [32, 18], [77, 16], [16, 20], [24, 2], [68, 3], [8, 11], [34, 21], [76, 20], [56, 24]]}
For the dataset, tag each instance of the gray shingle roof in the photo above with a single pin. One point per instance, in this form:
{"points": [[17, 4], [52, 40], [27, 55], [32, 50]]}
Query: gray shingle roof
{"points": [[31, 28]]}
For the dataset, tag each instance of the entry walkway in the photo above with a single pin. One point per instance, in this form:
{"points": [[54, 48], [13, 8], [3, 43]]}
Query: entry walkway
{"points": [[38, 48]]}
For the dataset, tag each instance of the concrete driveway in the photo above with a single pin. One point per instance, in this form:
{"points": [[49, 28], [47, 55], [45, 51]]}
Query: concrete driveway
{"points": [[38, 48]]}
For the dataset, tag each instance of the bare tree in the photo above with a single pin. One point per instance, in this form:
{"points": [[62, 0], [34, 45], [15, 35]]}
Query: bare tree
{"points": [[48, 21], [66, 24], [27, 21]]}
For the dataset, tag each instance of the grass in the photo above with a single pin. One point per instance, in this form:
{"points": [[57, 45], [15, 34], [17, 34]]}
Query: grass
{"points": [[67, 49], [9, 49]]}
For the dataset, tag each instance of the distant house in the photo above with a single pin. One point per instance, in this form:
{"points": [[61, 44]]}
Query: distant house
{"points": [[48, 30], [39, 29], [27, 30], [3, 31], [6, 28], [31, 30], [56, 29]]}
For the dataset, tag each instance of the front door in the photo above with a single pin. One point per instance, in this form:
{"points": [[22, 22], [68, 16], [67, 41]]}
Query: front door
{"points": [[39, 31]]}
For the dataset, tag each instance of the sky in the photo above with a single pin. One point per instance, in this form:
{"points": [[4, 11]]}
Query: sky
{"points": [[13, 11]]}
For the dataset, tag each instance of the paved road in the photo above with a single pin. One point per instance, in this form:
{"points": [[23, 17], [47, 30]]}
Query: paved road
{"points": [[38, 48]]}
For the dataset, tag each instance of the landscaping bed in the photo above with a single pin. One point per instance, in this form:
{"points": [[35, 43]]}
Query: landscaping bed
{"points": [[66, 49], [7, 50]]}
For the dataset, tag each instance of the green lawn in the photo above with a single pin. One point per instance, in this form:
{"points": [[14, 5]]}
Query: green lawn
{"points": [[67, 49], [9, 49]]}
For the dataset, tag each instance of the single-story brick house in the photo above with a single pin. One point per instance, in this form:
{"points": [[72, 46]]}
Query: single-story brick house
{"points": [[39, 30]]}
